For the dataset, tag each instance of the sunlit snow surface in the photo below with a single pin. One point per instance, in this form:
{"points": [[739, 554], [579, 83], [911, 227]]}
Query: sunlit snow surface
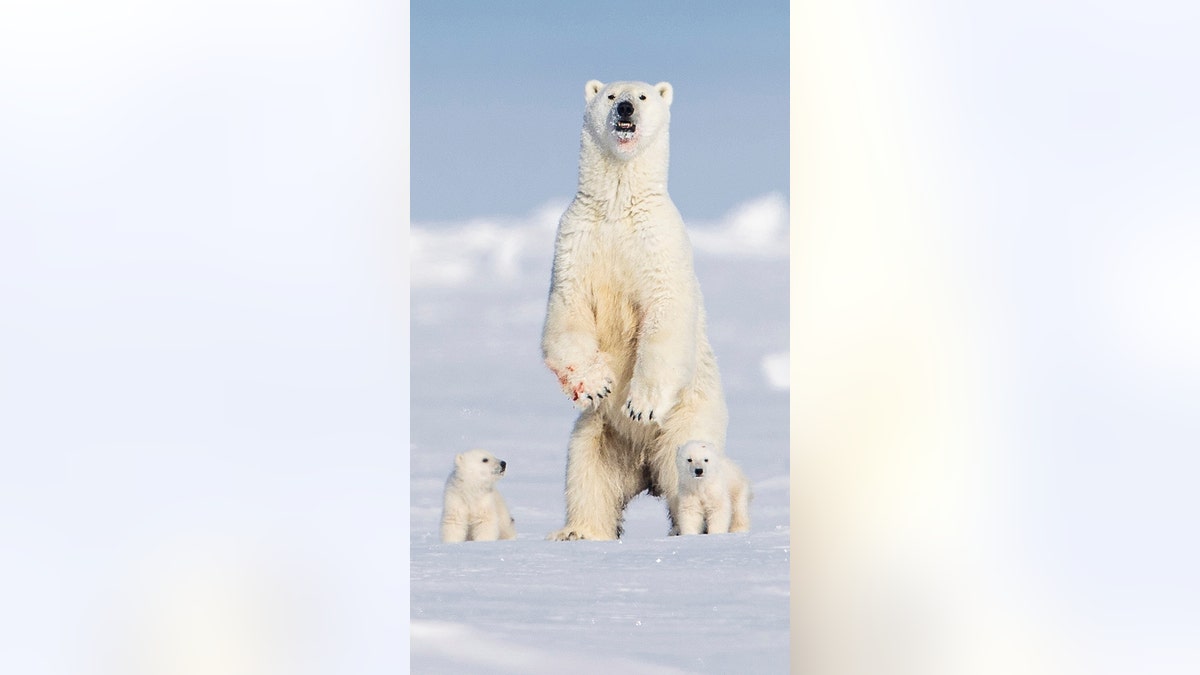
{"points": [[648, 603]]}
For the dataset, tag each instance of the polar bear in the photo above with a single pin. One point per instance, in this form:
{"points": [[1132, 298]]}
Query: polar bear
{"points": [[624, 329], [473, 509], [714, 495]]}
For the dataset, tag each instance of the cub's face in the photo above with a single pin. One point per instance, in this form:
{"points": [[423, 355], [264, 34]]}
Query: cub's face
{"points": [[624, 117], [697, 460], [479, 467]]}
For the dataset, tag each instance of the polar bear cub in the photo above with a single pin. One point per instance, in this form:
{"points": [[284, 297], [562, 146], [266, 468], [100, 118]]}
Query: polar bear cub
{"points": [[473, 509], [714, 495]]}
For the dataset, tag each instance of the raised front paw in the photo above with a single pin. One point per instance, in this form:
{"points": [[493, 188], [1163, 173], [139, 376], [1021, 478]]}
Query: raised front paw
{"points": [[648, 404], [588, 385]]}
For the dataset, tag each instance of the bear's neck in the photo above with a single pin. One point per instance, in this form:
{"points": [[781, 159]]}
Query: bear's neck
{"points": [[603, 179], [473, 487]]}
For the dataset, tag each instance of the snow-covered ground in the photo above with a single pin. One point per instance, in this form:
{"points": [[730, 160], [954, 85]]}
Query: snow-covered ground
{"points": [[647, 603]]}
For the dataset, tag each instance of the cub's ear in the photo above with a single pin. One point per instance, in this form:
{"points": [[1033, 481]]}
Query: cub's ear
{"points": [[665, 91], [592, 88], [458, 461]]}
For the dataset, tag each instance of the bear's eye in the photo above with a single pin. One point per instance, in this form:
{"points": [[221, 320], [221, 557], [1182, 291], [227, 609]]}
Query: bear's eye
{"points": [[611, 96], [705, 460], [642, 97], [485, 460], [689, 460]]}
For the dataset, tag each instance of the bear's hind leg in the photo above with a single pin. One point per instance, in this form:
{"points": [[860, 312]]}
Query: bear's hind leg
{"points": [[508, 528], [454, 530], [487, 528], [740, 518], [595, 484]]}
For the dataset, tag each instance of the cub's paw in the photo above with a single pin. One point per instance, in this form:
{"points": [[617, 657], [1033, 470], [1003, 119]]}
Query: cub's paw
{"points": [[587, 386], [647, 404]]}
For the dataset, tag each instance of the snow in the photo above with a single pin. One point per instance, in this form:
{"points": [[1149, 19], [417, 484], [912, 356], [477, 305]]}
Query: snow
{"points": [[503, 249], [665, 604], [648, 603]]}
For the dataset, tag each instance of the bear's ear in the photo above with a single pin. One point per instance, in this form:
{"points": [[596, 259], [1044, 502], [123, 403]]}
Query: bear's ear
{"points": [[592, 88], [665, 91], [458, 461]]}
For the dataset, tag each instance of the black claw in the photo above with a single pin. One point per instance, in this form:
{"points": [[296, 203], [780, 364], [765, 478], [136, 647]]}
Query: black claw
{"points": [[639, 417], [651, 414]]}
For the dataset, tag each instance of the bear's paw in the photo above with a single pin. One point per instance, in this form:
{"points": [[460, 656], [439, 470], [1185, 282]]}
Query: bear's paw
{"points": [[587, 386], [570, 533], [647, 403]]}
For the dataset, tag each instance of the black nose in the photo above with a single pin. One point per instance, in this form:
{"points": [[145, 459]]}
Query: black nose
{"points": [[503, 464], [624, 109], [699, 471]]}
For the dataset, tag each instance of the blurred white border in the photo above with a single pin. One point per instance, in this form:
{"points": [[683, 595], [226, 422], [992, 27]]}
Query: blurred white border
{"points": [[203, 337], [992, 337]]}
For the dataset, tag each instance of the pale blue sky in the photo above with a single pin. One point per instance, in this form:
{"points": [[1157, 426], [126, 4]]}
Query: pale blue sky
{"points": [[497, 99]]}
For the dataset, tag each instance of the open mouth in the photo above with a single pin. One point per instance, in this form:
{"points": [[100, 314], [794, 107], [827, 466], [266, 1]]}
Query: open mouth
{"points": [[625, 129]]}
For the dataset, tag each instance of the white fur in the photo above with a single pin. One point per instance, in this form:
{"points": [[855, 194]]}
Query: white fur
{"points": [[473, 509], [624, 329], [714, 495]]}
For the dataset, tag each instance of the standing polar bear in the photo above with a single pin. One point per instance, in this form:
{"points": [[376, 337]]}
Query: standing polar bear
{"points": [[473, 509], [624, 328], [714, 495]]}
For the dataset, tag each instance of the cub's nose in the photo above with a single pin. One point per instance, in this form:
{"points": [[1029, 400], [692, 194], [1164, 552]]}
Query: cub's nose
{"points": [[624, 109], [503, 464], [699, 471]]}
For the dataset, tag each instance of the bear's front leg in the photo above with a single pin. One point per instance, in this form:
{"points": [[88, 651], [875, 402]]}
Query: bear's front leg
{"points": [[666, 356], [719, 517], [689, 515], [571, 350], [594, 485], [454, 528]]}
